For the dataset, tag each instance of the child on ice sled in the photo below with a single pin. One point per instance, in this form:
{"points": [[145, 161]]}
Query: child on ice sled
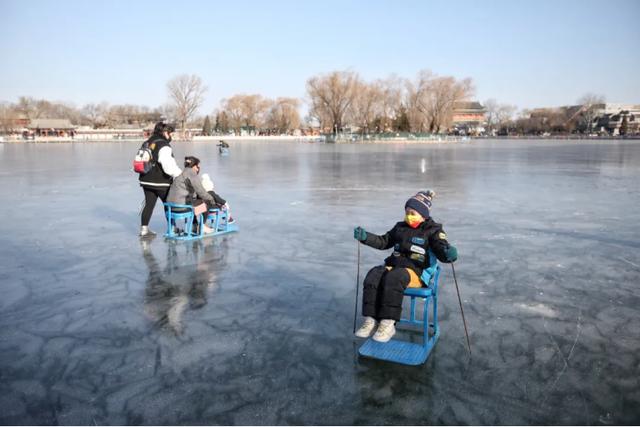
{"points": [[411, 241], [219, 202]]}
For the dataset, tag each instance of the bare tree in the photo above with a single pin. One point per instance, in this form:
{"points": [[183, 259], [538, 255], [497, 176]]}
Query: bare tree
{"points": [[283, 115], [367, 105], [246, 111], [331, 96], [232, 109], [392, 92], [187, 93], [96, 114], [498, 115], [7, 117], [491, 114], [416, 106], [441, 98], [168, 112], [431, 100], [505, 114], [590, 104], [27, 106]]}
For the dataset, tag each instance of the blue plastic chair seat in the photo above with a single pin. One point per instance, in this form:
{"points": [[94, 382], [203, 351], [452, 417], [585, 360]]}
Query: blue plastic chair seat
{"points": [[175, 212]]}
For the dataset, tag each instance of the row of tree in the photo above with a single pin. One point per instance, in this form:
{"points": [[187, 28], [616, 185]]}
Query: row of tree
{"points": [[581, 118], [424, 104], [337, 100], [97, 116]]}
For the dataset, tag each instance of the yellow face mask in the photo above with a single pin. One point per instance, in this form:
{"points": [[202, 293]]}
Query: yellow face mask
{"points": [[413, 220]]}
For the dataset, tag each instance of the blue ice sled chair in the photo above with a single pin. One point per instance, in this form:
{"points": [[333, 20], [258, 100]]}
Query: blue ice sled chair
{"points": [[218, 219], [404, 352], [184, 214], [176, 212]]}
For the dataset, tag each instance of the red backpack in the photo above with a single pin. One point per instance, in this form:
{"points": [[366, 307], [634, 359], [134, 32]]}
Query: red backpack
{"points": [[143, 161]]}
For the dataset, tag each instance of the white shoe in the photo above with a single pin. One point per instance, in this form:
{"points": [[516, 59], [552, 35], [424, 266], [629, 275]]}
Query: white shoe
{"points": [[207, 230], [385, 331], [145, 232], [367, 327]]}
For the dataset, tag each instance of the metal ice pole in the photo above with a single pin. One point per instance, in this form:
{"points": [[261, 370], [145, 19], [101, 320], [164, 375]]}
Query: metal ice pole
{"points": [[355, 309], [461, 310]]}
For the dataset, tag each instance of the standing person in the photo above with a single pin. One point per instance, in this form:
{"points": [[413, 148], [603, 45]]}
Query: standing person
{"points": [[384, 285], [155, 184], [187, 189]]}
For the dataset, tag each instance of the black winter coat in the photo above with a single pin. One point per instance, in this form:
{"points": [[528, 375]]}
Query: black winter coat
{"points": [[411, 245], [156, 177]]}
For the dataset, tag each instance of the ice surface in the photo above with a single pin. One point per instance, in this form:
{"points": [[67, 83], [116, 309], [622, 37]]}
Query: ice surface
{"points": [[256, 327]]}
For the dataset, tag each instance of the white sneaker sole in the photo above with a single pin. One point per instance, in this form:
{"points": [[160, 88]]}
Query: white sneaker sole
{"points": [[363, 335], [385, 338]]}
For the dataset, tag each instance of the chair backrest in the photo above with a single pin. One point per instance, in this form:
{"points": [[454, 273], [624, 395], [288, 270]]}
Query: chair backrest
{"points": [[430, 274], [177, 206]]}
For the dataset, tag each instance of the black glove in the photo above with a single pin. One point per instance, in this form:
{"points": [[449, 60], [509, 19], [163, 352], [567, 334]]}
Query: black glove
{"points": [[451, 253]]}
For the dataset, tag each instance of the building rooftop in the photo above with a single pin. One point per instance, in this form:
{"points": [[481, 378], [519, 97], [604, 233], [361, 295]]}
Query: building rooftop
{"points": [[50, 124], [468, 105]]}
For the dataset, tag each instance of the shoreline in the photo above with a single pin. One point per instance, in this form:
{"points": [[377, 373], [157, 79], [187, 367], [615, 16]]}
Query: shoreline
{"points": [[320, 140]]}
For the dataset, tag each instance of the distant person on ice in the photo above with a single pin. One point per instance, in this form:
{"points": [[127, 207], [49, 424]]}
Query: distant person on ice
{"points": [[156, 183], [187, 189], [223, 147], [411, 241]]}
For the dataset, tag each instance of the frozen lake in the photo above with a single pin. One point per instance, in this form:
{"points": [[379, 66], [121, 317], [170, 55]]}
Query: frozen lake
{"points": [[256, 327]]}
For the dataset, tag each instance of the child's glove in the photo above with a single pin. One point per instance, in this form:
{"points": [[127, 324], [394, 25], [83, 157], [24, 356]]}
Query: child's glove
{"points": [[451, 253], [359, 234]]}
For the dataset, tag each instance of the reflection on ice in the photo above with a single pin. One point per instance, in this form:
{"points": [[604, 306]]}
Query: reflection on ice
{"points": [[540, 309], [186, 281]]}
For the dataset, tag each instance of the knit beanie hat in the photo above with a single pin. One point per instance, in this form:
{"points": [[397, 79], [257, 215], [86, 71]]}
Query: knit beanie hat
{"points": [[421, 202], [206, 182]]}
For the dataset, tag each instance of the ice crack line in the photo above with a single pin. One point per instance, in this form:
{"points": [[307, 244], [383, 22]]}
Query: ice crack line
{"points": [[565, 360], [630, 263]]}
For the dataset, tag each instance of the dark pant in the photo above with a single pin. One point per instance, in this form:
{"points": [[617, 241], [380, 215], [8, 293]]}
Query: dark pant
{"points": [[383, 292], [151, 195]]}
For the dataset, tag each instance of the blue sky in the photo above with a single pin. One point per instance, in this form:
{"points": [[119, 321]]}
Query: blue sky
{"points": [[526, 53]]}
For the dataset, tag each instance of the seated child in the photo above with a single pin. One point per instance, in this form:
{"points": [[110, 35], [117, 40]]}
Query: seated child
{"points": [[219, 202], [384, 285]]}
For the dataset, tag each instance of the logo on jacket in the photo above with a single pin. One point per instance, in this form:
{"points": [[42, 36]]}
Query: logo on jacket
{"points": [[418, 249]]}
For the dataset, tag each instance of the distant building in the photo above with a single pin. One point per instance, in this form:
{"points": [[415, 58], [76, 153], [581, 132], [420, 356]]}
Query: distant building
{"points": [[51, 127], [609, 118], [605, 118], [14, 122], [469, 117], [88, 133]]}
